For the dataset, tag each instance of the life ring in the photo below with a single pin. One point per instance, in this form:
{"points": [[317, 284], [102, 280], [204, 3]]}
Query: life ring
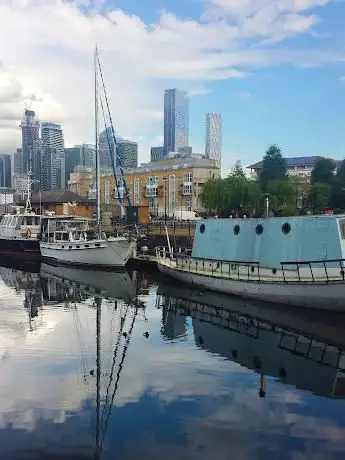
{"points": [[27, 233]]}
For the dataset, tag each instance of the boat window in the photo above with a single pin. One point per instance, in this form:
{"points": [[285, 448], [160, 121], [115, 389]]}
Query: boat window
{"points": [[64, 236], [57, 236], [259, 229], [202, 228], [37, 220], [77, 246], [97, 244], [286, 228], [236, 229]]}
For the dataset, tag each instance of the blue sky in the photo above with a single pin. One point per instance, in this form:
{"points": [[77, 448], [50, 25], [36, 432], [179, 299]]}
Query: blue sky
{"points": [[300, 108], [275, 69]]}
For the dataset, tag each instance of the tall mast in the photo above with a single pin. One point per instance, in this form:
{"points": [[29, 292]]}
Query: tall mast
{"points": [[98, 176]]}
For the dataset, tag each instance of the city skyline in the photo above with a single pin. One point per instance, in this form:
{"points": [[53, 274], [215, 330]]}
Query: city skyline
{"points": [[276, 78]]}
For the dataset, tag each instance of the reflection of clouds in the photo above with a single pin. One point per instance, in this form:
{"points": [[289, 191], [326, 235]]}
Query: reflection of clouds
{"points": [[220, 413]]}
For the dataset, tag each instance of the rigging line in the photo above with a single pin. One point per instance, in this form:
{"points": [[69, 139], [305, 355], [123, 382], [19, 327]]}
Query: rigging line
{"points": [[125, 348], [113, 364], [113, 132], [110, 154], [77, 324]]}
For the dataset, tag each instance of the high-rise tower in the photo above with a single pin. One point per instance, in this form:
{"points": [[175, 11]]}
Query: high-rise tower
{"points": [[53, 157], [31, 147], [213, 144], [176, 120]]}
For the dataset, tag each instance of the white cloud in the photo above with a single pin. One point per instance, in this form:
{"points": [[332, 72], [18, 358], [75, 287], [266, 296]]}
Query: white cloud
{"points": [[48, 58]]}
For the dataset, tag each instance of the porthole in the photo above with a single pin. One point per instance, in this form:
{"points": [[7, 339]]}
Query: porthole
{"points": [[259, 229], [286, 228], [202, 228], [236, 229]]}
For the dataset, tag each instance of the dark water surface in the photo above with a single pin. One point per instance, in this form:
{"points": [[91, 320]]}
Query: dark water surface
{"points": [[122, 366]]}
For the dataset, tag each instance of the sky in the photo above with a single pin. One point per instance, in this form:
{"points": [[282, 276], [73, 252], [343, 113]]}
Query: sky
{"points": [[275, 69]]}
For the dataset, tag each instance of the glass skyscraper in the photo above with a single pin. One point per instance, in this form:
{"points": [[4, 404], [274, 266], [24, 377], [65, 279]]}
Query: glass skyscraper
{"points": [[176, 120], [53, 157], [213, 144]]}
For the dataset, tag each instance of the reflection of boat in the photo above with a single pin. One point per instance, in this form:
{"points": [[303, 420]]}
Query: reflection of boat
{"points": [[108, 284], [299, 347]]}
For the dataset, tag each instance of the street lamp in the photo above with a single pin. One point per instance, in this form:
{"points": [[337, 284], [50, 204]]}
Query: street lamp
{"points": [[165, 199], [267, 203]]}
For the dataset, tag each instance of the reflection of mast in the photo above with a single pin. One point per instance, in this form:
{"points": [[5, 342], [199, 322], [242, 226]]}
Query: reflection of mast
{"points": [[98, 302], [262, 391]]}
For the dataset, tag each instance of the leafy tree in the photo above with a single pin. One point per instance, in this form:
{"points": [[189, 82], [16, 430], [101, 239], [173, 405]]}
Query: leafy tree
{"points": [[323, 171], [273, 167], [283, 191], [320, 195], [237, 171], [338, 188]]}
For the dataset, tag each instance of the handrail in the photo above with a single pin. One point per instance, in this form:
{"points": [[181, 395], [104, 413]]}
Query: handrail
{"points": [[304, 272]]}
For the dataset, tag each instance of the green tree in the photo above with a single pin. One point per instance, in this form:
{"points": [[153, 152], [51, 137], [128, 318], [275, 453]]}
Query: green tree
{"points": [[323, 171], [320, 196], [273, 166], [338, 188], [283, 191], [237, 171]]}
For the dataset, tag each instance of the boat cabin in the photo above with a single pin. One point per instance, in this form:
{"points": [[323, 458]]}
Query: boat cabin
{"points": [[63, 228], [20, 224]]}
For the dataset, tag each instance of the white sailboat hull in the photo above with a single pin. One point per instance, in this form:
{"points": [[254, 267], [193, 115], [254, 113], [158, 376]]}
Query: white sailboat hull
{"points": [[325, 296], [112, 252]]}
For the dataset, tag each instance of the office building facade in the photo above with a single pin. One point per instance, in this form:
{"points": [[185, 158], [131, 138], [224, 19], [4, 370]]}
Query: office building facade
{"points": [[53, 157], [214, 137], [5, 171], [176, 120], [157, 153], [31, 147], [80, 155], [126, 150]]}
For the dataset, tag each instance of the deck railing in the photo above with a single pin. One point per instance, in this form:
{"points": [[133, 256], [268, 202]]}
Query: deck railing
{"points": [[324, 271]]}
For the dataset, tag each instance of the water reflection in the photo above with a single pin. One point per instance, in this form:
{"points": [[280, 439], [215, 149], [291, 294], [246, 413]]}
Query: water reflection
{"points": [[107, 365], [271, 343]]}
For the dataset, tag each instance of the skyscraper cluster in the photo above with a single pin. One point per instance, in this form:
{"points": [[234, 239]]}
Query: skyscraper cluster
{"points": [[42, 153], [176, 129]]}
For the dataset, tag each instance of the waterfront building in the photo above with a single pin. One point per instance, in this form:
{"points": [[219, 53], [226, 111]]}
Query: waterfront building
{"points": [[52, 157], [171, 185], [80, 155], [5, 171], [157, 153], [298, 167], [176, 120], [31, 147], [127, 150], [214, 137]]}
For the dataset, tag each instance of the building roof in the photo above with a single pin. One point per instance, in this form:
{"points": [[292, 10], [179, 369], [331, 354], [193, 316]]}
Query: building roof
{"points": [[57, 196], [294, 161]]}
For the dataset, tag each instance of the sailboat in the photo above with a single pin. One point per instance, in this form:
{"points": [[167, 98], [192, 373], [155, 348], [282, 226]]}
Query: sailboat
{"points": [[70, 239]]}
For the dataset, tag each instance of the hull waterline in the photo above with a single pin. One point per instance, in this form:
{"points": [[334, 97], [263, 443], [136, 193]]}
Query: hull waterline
{"points": [[311, 295]]}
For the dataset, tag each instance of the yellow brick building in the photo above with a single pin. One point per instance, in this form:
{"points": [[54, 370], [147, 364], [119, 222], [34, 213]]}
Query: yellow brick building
{"points": [[171, 185]]}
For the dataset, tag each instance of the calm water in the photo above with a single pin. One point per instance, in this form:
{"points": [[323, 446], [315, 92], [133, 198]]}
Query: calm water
{"points": [[121, 366]]}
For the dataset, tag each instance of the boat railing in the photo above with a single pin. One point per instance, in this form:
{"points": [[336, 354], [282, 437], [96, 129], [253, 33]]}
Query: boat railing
{"points": [[324, 271]]}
